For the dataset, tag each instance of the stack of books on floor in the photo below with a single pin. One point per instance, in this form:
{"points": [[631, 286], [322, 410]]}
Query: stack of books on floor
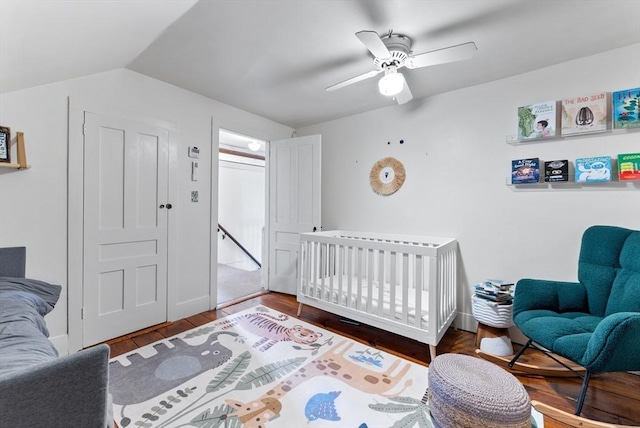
{"points": [[495, 290], [492, 303]]}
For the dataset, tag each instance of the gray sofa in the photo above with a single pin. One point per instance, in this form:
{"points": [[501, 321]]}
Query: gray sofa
{"points": [[37, 387]]}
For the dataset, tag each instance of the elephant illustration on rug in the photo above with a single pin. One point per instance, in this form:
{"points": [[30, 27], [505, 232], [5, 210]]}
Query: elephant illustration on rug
{"points": [[167, 369]]}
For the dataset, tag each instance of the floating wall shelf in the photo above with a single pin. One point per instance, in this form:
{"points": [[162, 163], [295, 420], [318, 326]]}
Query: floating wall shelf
{"points": [[513, 139], [22, 154], [572, 185]]}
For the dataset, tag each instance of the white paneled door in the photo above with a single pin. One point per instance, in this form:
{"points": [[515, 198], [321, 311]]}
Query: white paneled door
{"points": [[125, 226], [294, 205]]}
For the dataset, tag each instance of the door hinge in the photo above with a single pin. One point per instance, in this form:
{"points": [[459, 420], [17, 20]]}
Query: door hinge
{"points": [[84, 129], [82, 313]]}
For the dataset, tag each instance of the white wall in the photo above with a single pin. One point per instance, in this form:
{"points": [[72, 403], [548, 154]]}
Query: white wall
{"points": [[457, 162], [33, 202], [241, 211]]}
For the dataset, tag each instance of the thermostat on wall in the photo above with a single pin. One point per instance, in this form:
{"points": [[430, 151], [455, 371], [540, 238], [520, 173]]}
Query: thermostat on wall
{"points": [[194, 152]]}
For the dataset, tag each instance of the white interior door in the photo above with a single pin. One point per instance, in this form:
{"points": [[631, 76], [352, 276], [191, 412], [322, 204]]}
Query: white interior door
{"points": [[294, 205], [125, 226]]}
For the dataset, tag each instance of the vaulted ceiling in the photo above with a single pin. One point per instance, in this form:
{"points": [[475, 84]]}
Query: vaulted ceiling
{"points": [[275, 58]]}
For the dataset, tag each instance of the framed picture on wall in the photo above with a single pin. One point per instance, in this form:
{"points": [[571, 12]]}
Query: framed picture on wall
{"points": [[5, 138]]}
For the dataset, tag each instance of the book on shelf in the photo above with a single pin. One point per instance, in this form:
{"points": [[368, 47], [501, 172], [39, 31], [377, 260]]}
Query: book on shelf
{"points": [[556, 170], [593, 170], [625, 106], [537, 121], [629, 167], [525, 171], [586, 113]]}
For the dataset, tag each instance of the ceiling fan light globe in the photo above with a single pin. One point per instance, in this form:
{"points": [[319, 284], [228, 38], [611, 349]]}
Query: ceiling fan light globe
{"points": [[391, 84]]}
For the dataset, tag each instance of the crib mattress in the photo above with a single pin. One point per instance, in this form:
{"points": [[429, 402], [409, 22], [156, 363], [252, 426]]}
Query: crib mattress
{"points": [[343, 298]]}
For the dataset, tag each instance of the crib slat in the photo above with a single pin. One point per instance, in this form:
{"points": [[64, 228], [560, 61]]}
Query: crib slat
{"points": [[381, 283], [350, 302], [359, 272], [370, 290], [392, 284], [418, 291], [405, 287], [340, 273], [435, 296]]}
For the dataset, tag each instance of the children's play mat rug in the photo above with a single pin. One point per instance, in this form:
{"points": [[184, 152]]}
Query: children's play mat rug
{"points": [[262, 368]]}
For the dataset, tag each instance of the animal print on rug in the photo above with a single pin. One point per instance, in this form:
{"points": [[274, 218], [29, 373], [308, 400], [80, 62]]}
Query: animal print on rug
{"points": [[260, 368]]}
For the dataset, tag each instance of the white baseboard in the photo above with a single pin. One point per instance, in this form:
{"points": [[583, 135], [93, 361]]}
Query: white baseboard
{"points": [[465, 322]]}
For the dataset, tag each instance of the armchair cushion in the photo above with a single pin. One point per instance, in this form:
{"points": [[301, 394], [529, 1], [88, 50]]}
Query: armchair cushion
{"points": [[555, 296], [599, 263], [625, 292]]}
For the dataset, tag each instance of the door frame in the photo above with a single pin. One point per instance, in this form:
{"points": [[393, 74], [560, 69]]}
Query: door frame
{"points": [[215, 173], [75, 209]]}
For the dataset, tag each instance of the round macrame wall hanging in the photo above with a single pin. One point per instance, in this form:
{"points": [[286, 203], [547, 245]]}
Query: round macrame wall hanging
{"points": [[387, 176]]}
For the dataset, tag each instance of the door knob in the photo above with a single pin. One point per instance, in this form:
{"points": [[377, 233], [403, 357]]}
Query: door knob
{"points": [[169, 206], [161, 206]]}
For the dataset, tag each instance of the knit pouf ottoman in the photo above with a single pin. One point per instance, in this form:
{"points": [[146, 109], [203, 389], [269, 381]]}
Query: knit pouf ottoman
{"points": [[467, 392]]}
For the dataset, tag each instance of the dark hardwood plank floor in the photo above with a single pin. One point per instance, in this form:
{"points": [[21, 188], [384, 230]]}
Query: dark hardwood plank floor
{"points": [[612, 397]]}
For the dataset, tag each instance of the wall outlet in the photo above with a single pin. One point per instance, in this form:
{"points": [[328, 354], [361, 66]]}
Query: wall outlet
{"points": [[194, 196]]}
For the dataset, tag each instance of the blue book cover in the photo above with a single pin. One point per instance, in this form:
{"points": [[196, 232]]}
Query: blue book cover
{"points": [[525, 171], [626, 108], [593, 170]]}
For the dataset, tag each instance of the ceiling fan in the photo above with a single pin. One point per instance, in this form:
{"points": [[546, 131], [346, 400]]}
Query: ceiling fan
{"points": [[392, 52]]}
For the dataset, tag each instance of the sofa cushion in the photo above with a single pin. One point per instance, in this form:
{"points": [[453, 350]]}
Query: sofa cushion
{"points": [[23, 332], [43, 294]]}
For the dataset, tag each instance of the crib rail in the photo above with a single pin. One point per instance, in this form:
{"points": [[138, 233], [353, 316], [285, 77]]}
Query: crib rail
{"points": [[402, 283]]}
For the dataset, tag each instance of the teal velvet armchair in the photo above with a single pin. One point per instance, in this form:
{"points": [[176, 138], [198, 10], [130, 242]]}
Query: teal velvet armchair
{"points": [[594, 322]]}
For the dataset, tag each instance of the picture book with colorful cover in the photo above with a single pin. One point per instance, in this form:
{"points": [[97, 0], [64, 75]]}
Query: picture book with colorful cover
{"points": [[629, 167], [525, 171], [537, 121], [556, 170], [626, 108], [593, 170], [587, 113]]}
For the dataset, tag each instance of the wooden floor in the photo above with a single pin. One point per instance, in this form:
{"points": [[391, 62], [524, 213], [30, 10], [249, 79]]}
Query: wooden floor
{"points": [[612, 398]]}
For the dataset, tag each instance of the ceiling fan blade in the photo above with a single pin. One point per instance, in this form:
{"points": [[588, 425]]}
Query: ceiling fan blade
{"points": [[405, 95], [374, 43], [442, 56], [353, 80]]}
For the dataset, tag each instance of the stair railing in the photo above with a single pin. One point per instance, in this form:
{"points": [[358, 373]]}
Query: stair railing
{"points": [[226, 233]]}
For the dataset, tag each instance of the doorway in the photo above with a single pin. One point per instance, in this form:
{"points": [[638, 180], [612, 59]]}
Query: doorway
{"points": [[241, 216]]}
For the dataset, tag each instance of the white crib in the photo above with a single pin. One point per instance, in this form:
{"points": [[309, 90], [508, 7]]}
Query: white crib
{"points": [[400, 283]]}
